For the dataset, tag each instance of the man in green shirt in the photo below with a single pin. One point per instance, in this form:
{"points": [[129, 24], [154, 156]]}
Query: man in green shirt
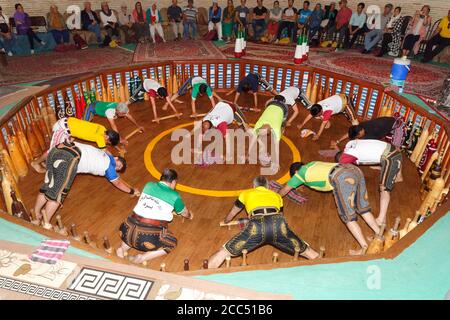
{"points": [[349, 189], [110, 111], [150, 219], [266, 226], [199, 86]]}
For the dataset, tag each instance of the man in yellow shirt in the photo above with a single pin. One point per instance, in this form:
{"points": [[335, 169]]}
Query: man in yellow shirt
{"points": [[439, 41], [266, 226], [65, 129], [349, 189]]}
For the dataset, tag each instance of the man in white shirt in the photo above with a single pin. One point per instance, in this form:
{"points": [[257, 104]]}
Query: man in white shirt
{"points": [[375, 152], [155, 91], [325, 109], [287, 20], [126, 22], [291, 96], [222, 115]]}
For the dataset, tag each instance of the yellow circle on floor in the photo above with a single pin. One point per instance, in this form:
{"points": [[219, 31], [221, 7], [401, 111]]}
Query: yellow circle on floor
{"points": [[206, 192]]}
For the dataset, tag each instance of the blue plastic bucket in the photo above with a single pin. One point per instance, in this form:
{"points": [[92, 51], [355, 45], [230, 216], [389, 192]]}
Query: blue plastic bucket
{"points": [[399, 72]]}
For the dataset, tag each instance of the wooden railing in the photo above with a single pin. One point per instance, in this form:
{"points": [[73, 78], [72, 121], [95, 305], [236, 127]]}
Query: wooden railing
{"points": [[371, 99]]}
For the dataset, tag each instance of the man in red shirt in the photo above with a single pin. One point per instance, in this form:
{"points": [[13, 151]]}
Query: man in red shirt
{"points": [[340, 26]]}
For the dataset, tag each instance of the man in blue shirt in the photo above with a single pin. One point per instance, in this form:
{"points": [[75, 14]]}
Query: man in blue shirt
{"points": [[303, 17], [357, 26]]}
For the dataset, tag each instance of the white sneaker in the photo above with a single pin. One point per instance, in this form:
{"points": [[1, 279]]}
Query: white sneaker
{"points": [[32, 51], [392, 54], [43, 43], [10, 54], [276, 41]]}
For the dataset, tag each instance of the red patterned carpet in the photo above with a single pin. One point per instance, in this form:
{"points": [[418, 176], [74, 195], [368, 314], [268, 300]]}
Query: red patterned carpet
{"points": [[55, 64], [181, 50], [423, 79], [263, 52]]}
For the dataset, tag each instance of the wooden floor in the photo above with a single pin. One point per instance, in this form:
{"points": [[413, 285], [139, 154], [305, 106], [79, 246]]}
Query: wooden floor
{"points": [[95, 205]]}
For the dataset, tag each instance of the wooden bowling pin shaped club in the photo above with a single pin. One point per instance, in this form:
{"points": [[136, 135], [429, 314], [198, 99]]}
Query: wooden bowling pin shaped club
{"points": [[162, 267], [244, 257], [392, 235], [24, 146], [186, 265], [17, 158], [6, 162], [107, 245], [6, 188], [74, 232], [376, 246], [60, 228], [40, 135], [404, 231], [87, 239], [36, 150], [18, 209]]}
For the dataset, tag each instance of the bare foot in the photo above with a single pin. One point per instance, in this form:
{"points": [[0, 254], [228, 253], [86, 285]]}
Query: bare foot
{"points": [[379, 223], [136, 259], [359, 252], [179, 115], [37, 167], [164, 108], [120, 253], [370, 238], [375, 167]]}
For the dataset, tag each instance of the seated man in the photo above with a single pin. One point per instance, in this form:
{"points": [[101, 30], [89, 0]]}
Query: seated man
{"points": [[325, 109], [304, 15], [65, 129], [155, 91], [110, 111], [199, 86], [221, 116], [85, 159], [267, 225], [375, 152], [250, 84], [150, 219], [349, 189], [376, 129]]}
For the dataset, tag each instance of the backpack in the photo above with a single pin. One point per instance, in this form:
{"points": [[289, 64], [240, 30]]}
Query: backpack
{"points": [[211, 36], [79, 42]]}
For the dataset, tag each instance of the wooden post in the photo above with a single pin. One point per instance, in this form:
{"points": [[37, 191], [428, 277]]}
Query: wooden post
{"points": [[107, 245], [275, 257], [228, 261], [413, 223], [244, 257], [133, 133], [74, 232], [322, 252], [296, 253], [186, 265], [163, 267], [376, 246], [392, 236], [205, 264], [60, 227], [169, 117], [88, 240]]}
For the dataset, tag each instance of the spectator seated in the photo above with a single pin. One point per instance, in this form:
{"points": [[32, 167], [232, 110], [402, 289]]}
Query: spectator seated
{"points": [[21, 45]]}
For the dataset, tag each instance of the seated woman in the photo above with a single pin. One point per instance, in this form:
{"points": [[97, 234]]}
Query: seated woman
{"points": [[109, 21], [6, 37], [215, 14], [23, 26], [57, 26], [274, 21], [140, 23], [228, 21], [154, 19], [392, 33], [417, 31]]}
